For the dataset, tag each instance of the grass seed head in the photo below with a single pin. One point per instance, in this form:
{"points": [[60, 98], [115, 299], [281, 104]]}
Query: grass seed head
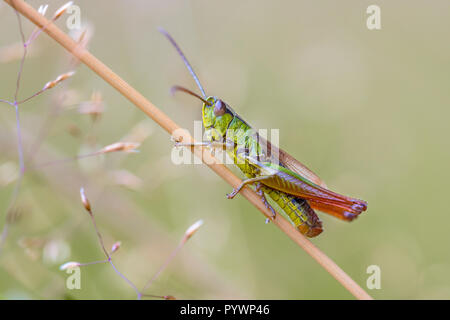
{"points": [[193, 229], [116, 246], [59, 79], [84, 200], [69, 265], [61, 10], [43, 9], [121, 146]]}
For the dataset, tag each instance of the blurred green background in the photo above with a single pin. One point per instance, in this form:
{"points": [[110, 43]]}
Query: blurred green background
{"points": [[367, 110]]}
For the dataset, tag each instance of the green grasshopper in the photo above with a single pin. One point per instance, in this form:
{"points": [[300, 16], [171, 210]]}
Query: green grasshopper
{"points": [[273, 172]]}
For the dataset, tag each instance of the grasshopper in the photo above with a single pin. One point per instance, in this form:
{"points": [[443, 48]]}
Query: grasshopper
{"points": [[297, 190]]}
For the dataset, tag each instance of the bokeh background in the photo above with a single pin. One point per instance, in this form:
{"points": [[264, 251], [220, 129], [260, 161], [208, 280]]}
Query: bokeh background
{"points": [[367, 110]]}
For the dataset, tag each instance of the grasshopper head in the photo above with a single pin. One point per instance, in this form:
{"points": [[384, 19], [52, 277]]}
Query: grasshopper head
{"points": [[216, 115]]}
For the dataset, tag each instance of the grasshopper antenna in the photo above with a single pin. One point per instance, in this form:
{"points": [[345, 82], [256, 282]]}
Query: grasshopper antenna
{"points": [[186, 62], [179, 88]]}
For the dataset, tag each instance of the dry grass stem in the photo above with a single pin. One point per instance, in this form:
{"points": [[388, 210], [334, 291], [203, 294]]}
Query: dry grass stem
{"points": [[116, 246]]}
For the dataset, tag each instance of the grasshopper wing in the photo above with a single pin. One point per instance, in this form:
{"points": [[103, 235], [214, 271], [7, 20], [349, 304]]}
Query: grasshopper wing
{"points": [[334, 210], [282, 179], [288, 161]]}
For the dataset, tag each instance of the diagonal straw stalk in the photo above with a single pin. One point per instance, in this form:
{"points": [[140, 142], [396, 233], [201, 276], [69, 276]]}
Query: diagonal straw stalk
{"points": [[180, 135]]}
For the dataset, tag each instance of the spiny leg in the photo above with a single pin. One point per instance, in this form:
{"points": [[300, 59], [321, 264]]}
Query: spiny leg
{"points": [[209, 144], [260, 192], [244, 183]]}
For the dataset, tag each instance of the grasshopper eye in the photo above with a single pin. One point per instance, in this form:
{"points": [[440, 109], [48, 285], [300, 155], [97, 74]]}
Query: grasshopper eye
{"points": [[219, 108]]}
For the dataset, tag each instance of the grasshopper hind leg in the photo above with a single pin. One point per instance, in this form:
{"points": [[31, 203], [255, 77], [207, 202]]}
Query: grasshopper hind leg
{"points": [[260, 192], [255, 181]]}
